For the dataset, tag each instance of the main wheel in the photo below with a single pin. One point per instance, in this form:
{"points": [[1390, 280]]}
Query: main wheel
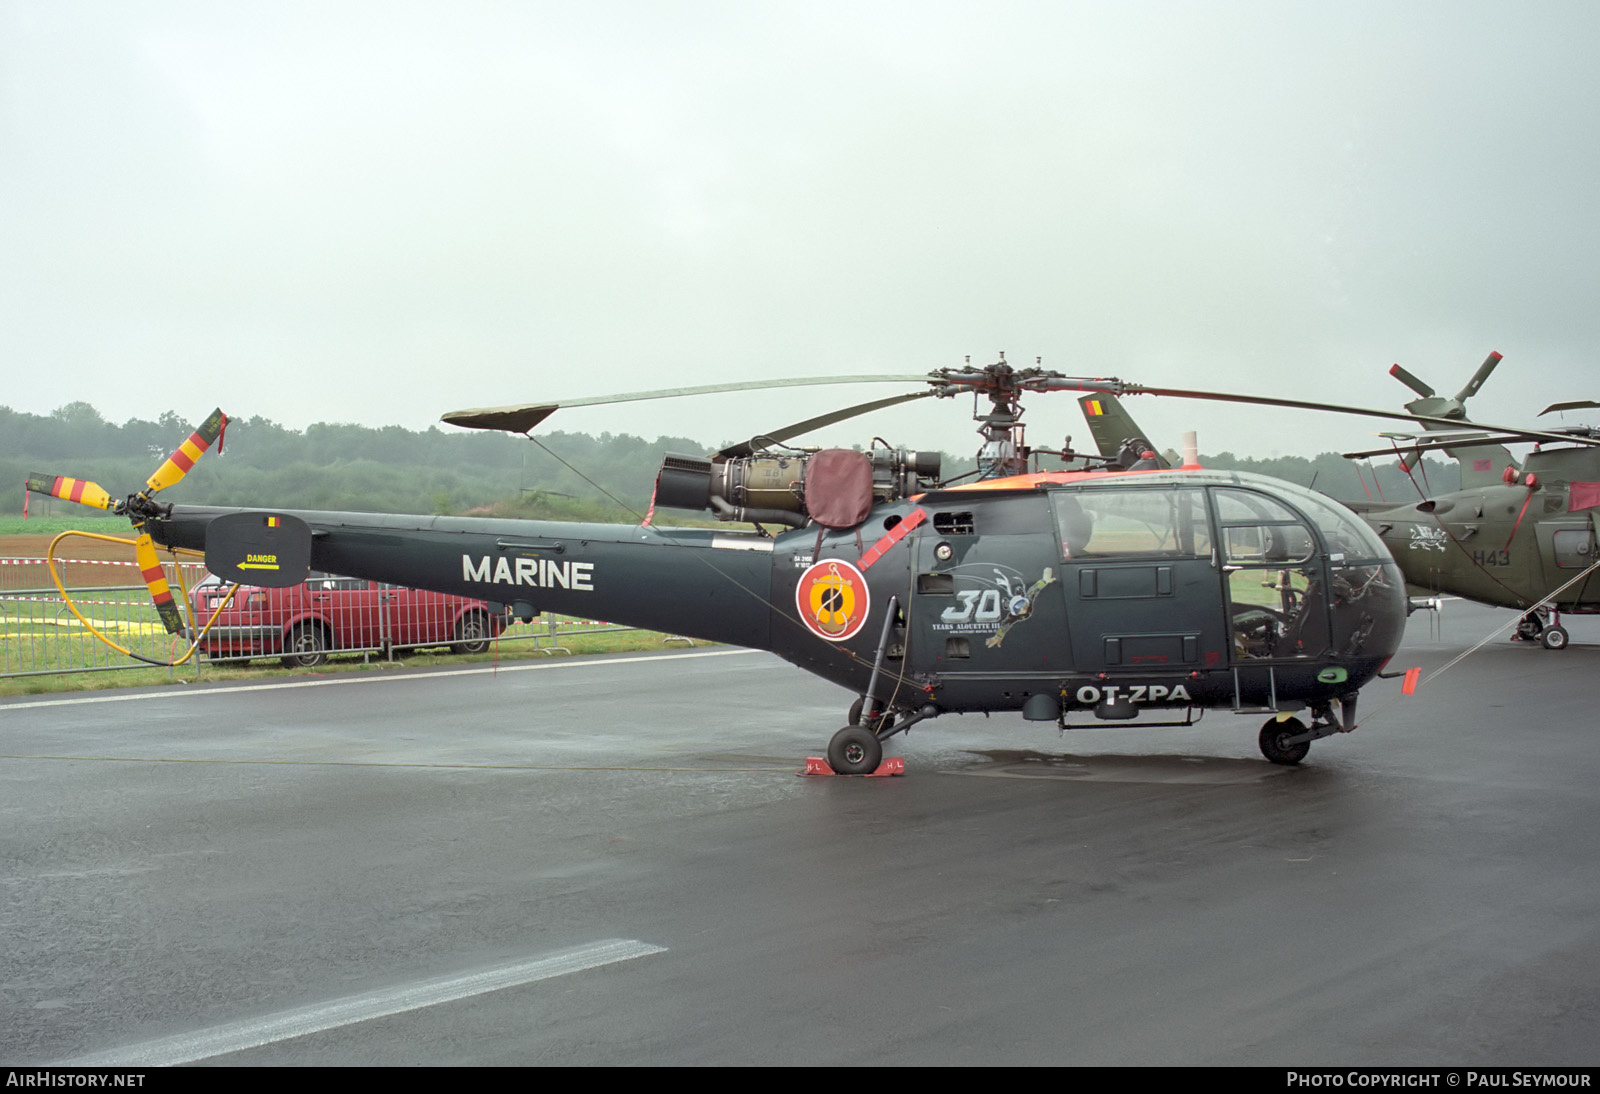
{"points": [[472, 633], [1554, 638], [1530, 628], [306, 648], [885, 721], [1274, 738], [855, 751]]}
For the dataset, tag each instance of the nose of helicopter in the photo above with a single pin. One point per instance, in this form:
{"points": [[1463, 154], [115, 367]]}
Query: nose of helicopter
{"points": [[1368, 616]]}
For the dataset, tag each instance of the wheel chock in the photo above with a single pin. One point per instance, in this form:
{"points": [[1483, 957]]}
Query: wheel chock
{"points": [[891, 765]]}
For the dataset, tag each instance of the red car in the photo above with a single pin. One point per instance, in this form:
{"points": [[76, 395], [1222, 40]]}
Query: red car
{"points": [[302, 623]]}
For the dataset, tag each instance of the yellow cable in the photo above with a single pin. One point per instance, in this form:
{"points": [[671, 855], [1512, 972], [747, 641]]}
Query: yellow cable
{"points": [[50, 560]]}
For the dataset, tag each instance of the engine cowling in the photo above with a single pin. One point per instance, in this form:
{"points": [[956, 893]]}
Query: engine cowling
{"points": [[770, 487]]}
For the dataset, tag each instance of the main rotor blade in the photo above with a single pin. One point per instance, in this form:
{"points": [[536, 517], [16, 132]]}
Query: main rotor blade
{"points": [[1335, 408], [1440, 435], [522, 417], [81, 491], [179, 463], [1479, 377], [1579, 404], [1411, 381], [778, 436], [1429, 445]]}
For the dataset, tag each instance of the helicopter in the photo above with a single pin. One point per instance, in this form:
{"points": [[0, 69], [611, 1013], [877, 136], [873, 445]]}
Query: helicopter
{"points": [[1513, 536], [1110, 590]]}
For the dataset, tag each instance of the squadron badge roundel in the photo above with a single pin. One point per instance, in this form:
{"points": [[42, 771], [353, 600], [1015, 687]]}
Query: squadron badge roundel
{"points": [[833, 600]]}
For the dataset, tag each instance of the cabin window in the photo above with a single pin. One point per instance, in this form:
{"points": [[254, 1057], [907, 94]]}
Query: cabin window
{"points": [[1142, 522]]}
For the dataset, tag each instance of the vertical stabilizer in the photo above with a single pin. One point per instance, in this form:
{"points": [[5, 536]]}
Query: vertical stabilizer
{"points": [[1116, 434], [1480, 465]]}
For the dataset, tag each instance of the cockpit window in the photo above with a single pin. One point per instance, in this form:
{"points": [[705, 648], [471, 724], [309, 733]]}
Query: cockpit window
{"points": [[1275, 593], [1342, 530], [1257, 530], [1245, 506], [1267, 543]]}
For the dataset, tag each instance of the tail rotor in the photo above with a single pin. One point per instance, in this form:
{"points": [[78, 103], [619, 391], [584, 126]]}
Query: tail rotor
{"points": [[141, 507]]}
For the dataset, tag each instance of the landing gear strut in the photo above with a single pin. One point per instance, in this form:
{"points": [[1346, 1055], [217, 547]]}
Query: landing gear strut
{"points": [[880, 720], [1542, 625], [1531, 626]]}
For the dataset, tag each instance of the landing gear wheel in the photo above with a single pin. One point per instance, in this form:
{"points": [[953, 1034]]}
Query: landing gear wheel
{"points": [[855, 751], [1274, 735], [1530, 628], [471, 634], [306, 649], [885, 721], [1554, 638]]}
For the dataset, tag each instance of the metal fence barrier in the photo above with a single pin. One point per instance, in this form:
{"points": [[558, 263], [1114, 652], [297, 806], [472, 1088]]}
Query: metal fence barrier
{"points": [[302, 625]]}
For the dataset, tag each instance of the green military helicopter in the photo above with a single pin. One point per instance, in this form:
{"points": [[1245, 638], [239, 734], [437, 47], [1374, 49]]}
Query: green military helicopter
{"points": [[1519, 536]]}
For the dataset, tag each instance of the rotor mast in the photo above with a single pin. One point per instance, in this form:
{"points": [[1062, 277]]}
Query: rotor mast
{"points": [[1003, 451]]}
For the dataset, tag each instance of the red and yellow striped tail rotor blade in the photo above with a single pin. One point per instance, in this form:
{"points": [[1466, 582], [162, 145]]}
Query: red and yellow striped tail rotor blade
{"points": [[179, 463], [144, 553], [79, 490]]}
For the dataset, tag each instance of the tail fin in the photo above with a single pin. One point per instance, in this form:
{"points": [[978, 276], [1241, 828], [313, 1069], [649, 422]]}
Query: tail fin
{"points": [[1481, 465], [1117, 435]]}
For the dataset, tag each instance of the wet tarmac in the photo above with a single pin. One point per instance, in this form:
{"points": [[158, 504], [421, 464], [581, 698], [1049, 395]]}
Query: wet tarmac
{"points": [[612, 861]]}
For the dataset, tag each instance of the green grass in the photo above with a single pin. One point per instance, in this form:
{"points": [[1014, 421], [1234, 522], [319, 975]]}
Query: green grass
{"points": [[86, 520], [520, 649], [1259, 586], [90, 597]]}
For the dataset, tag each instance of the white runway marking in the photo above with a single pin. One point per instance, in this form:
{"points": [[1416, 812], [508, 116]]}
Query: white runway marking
{"points": [[237, 1036], [364, 678]]}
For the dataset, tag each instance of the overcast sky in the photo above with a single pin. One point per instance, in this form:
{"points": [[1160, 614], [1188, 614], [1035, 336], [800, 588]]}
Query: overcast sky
{"points": [[378, 212]]}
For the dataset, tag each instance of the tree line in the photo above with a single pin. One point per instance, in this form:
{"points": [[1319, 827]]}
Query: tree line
{"points": [[390, 469]]}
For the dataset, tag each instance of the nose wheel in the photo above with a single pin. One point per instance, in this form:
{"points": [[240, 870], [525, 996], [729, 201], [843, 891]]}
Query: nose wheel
{"points": [[1278, 742]]}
